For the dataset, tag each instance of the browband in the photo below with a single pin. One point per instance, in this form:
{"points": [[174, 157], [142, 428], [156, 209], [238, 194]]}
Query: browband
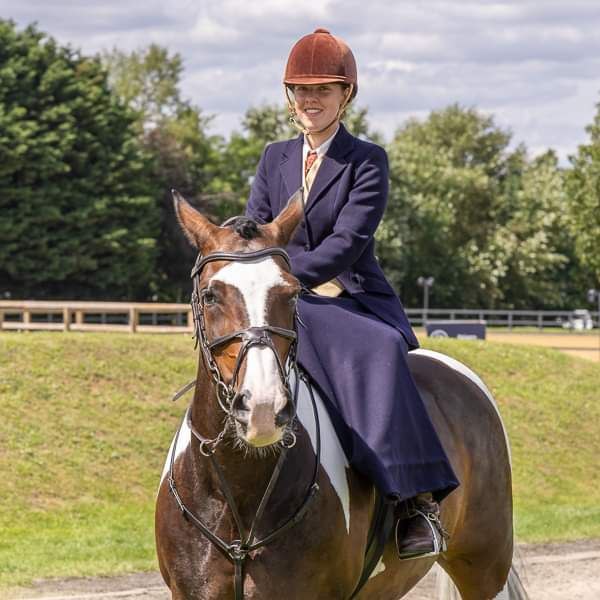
{"points": [[202, 261]]}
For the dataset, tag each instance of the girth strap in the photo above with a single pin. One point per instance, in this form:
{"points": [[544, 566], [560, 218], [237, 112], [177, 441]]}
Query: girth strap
{"points": [[382, 525]]}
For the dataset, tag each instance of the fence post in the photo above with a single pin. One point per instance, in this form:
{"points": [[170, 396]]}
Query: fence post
{"points": [[66, 319], [510, 321], [26, 316], [133, 315], [540, 322]]}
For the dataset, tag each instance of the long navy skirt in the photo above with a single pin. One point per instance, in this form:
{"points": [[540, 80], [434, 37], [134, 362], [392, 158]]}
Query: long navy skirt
{"points": [[358, 362]]}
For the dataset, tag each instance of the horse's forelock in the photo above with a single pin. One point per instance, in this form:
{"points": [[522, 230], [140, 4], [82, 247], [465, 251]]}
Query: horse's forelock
{"points": [[245, 227], [242, 234]]}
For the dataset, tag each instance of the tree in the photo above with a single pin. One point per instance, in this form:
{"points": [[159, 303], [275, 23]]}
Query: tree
{"points": [[261, 125], [147, 81], [76, 219], [530, 240], [356, 121], [471, 213], [584, 201], [174, 135]]}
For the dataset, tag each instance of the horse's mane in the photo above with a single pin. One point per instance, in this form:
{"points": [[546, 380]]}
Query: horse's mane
{"points": [[245, 227]]}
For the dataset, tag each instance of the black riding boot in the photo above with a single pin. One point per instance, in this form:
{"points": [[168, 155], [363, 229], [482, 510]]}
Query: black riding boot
{"points": [[419, 531]]}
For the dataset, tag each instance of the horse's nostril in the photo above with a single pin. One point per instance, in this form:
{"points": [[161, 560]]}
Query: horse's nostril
{"points": [[239, 401], [240, 408], [284, 416]]}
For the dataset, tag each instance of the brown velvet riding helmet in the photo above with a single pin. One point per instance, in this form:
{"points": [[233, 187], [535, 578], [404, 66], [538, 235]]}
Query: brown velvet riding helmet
{"points": [[320, 57]]}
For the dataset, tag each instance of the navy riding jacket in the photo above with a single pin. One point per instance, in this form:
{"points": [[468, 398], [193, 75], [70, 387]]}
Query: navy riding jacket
{"points": [[343, 210]]}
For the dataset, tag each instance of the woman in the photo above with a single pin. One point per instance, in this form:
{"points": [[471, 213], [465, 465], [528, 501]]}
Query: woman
{"points": [[354, 335]]}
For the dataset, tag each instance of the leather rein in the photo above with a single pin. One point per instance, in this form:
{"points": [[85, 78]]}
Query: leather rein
{"points": [[238, 550]]}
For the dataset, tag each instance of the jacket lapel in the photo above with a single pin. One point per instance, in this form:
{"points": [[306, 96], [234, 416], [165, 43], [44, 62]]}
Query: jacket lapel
{"points": [[331, 167], [291, 167]]}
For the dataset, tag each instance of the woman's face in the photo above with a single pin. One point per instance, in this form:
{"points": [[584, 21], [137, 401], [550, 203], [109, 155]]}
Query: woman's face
{"points": [[318, 105]]}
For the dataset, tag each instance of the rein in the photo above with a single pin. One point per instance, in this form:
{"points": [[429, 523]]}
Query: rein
{"points": [[238, 550]]}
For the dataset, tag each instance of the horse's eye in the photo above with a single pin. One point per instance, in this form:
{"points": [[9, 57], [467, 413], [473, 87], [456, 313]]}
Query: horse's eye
{"points": [[208, 297]]}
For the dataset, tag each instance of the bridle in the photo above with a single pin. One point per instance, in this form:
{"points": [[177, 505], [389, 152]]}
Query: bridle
{"points": [[238, 550], [250, 337]]}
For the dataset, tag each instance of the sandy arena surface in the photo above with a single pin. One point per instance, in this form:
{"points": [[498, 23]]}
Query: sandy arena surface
{"points": [[582, 345], [569, 571]]}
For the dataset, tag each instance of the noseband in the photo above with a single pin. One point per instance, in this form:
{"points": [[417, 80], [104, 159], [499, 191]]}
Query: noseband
{"points": [[238, 550]]}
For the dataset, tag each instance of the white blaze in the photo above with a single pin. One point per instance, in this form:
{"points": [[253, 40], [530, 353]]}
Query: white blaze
{"points": [[254, 280]]}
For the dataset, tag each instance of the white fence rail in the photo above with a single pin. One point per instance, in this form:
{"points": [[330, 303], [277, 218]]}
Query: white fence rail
{"points": [[504, 318], [141, 317], [152, 317]]}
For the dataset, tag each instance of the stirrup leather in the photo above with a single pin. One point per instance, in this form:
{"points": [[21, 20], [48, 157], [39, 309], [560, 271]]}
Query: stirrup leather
{"points": [[439, 534]]}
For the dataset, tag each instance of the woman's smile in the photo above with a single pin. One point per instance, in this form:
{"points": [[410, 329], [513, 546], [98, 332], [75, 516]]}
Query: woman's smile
{"points": [[318, 105], [312, 115]]}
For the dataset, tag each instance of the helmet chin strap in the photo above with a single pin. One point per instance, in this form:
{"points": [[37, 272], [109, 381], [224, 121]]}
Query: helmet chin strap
{"points": [[295, 121]]}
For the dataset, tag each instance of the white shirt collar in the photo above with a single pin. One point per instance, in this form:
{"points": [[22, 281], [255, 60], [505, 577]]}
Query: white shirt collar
{"points": [[322, 149]]}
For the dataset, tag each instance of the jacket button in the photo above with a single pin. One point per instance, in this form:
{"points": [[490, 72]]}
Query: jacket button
{"points": [[307, 248], [355, 278]]}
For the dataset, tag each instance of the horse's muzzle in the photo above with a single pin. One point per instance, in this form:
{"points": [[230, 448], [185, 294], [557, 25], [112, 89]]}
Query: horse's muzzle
{"points": [[258, 423]]}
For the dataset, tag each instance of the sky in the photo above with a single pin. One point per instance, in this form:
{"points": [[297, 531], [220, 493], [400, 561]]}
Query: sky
{"points": [[534, 65]]}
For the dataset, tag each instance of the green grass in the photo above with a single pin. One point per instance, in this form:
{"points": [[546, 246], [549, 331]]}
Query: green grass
{"points": [[87, 420], [86, 423]]}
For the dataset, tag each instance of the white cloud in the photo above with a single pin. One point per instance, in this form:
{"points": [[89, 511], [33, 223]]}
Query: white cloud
{"points": [[207, 30], [535, 65]]}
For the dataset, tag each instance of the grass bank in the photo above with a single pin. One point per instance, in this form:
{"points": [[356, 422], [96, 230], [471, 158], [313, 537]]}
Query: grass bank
{"points": [[86, 422]]}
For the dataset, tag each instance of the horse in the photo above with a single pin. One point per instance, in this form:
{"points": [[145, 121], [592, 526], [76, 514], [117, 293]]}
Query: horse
{"points": [[257, 499]]}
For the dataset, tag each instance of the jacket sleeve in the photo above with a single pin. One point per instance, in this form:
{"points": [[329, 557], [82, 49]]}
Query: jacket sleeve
{"points": [[258, 206], [355, 225]]}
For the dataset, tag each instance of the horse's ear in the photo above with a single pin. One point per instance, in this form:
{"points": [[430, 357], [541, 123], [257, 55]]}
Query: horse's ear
{"points": [[197, 228], [286, 222]]}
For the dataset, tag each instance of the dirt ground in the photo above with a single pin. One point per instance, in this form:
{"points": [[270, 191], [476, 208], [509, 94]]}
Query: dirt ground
{"points": [[569, 571], [582, 345]]}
